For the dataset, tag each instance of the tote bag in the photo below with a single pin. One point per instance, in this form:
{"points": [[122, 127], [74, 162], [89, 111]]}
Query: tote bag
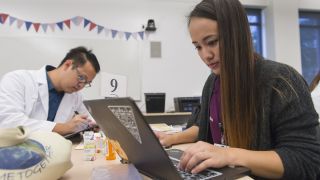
{"points": [[33, 156]]}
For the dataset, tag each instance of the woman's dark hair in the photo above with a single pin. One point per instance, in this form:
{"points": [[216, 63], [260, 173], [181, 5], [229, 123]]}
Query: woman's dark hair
{"points": [[315, 82], [237, 63], [79, 56]]}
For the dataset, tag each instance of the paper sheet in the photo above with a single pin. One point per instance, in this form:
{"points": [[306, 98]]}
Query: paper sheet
{"points": [[163, 127]]}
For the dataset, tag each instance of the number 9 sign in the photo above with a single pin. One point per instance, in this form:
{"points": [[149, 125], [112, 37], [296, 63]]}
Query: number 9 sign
{"points": [[113, 85]]}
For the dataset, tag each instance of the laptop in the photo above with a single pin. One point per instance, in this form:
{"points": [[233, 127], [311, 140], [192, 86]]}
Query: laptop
{"points": [[122, 121]]}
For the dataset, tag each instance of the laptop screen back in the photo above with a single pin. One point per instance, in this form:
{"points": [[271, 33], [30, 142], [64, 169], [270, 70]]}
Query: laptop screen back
{"points": [[121, 120]]}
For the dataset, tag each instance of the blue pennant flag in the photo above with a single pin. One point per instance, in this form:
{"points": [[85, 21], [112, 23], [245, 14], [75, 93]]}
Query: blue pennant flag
{"points": [[28, 25], [60, 25], [141, 33], [86, 22], [114, 33], [76, 20], [44, 27], [128, 34], [12, 20], [100, 28]]}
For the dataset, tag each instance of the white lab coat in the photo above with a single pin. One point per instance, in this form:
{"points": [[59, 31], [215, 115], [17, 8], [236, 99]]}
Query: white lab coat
{"points": [[315, 94], [24, 100]]}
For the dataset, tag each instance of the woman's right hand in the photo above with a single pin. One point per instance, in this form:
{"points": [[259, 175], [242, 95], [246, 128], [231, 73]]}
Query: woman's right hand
{"points": [[166, 140]]}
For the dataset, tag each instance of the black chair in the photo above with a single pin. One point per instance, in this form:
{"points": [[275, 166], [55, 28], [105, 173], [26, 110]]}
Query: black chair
{"points": [[194, 116]]}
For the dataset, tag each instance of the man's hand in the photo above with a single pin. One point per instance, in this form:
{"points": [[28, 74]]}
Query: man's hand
{"points": [[77, 123]]}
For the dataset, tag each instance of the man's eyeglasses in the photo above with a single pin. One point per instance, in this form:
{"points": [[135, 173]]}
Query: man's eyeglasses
{"points": [[83, 79]]}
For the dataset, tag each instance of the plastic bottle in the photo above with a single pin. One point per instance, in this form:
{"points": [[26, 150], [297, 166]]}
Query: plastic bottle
{"points": [[89, 146], [111, 155]]}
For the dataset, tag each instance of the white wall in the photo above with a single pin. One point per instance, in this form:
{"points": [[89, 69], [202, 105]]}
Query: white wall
{"points": [[281, 30], [309, 4], [179, 72]]}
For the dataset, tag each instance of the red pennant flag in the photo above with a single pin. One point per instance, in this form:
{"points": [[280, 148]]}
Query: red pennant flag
{"points": [[92, 26], [3, 18], [36, 26], [67, 23]]}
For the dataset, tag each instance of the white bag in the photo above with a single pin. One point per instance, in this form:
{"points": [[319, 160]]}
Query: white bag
{"points": [[37, 155]]}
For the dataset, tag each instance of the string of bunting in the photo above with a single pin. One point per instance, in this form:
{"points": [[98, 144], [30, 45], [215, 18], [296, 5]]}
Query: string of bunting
{"points": [[77, 20]]}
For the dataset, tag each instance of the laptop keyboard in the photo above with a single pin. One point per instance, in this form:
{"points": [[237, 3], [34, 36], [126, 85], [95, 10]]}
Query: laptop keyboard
{"points": [[206, 174]]}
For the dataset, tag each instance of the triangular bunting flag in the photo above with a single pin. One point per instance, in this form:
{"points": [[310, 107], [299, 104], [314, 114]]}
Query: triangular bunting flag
{"points": [[44, 27], [67, 23], [77, 20], [19, 23], [114, 33], [60, 25], [11, 20], [86, 22], [3, 18], [100, 28], [80, 19], [92, 26], [28, 24], [134, 35], [128, 34], [52, 26], [141, 33], [36, 26]]}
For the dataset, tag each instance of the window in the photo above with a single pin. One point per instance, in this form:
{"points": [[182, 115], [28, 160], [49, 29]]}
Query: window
{"points": [[310, 44], [254, 18]]}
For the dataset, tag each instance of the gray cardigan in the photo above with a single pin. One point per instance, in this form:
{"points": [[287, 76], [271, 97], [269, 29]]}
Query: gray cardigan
{"points": [[287, 123]]}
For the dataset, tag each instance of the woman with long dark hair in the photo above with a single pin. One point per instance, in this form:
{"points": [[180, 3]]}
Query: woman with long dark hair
{"points": [[315, 92], [261, 109]]}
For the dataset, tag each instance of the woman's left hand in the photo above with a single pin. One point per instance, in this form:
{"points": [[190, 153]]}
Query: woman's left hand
{"points": [[202, 155]]}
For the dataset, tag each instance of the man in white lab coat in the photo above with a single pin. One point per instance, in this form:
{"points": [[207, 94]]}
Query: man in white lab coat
{"points": [[49, 99]]}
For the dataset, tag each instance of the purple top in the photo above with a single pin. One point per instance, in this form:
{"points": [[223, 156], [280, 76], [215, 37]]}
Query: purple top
{"points": [[215, 113]]}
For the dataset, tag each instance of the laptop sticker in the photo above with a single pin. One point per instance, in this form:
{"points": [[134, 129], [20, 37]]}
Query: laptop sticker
{"points": [[125, 115]]}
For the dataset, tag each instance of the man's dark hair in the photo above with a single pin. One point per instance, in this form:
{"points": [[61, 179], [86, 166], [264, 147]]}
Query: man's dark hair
{"points": [[79, 56]]}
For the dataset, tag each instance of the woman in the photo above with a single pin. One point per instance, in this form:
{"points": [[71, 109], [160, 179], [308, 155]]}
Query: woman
{"points": [[315, 92], [261, 109], [315, 82]]}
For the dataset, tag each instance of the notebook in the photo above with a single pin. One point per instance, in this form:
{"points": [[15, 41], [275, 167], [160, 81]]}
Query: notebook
{"points": [[122, 121]]}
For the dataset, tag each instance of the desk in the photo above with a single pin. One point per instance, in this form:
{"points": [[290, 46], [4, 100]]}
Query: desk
{"points": [[175, 118], [82, 169]]}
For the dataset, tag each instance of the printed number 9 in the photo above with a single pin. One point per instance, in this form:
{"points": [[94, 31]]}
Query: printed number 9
{"points": [[114, 84]]}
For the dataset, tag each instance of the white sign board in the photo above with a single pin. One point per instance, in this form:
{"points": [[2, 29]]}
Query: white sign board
{"points": [[113, 85]]}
